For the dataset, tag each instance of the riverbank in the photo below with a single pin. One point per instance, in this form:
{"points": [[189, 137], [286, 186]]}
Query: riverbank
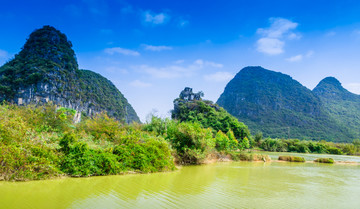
{"points": [[222, 184]]}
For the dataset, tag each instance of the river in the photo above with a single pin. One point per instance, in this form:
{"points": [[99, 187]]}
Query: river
{"points": [[218, 185]]}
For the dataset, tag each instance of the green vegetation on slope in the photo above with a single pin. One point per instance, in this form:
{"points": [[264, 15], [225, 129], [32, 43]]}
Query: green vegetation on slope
{"points": [[210, 116], [280, 107], [46, 67], [47, 51], [342, 105]]}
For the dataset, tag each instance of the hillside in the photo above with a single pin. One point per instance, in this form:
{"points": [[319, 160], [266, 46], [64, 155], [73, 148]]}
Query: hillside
{"points": [[342, 105], [46, 70], [279, 106]]}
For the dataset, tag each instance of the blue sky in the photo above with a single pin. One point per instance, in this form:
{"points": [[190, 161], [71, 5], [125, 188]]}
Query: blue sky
{"points": [[151, 50]]}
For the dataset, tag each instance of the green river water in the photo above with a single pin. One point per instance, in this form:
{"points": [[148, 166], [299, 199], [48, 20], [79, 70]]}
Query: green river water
{"points": [[218, 185]]}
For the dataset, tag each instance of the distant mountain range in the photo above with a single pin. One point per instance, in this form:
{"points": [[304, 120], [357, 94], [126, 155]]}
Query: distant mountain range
{"points": [[279, 106], [46, 70]]}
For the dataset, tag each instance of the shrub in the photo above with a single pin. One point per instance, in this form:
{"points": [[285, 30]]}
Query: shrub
{"points": [[192, 142], [102, 127], [222, 142], [291, 158], [334, 150], [240, 156], [80, 160], [149, 156], [209, 115], [27, 162], [324, 160]]}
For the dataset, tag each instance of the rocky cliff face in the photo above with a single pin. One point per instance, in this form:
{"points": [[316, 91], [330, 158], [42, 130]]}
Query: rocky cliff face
{"points": [[46, 70], [279, 106]]}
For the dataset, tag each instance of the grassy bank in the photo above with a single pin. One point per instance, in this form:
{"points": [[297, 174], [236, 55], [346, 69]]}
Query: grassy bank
{"points": [[42, 142]]}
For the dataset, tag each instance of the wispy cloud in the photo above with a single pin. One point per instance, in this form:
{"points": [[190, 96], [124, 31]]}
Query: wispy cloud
{"points": [[118, 50], [177, 70], [3, 54], [309, 53], [182, 22], [140, 84], [295, 58], [179, 61], [155, 19], [156, 48], [273, 38], [219, 77], [353, 87], [300, 57]]}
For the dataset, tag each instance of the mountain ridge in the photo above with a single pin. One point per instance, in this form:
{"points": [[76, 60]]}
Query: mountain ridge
{"points": [[279, 106], [46, 70]]}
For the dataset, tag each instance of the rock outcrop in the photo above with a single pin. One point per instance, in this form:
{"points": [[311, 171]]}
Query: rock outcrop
{"points": [[46, 70]]}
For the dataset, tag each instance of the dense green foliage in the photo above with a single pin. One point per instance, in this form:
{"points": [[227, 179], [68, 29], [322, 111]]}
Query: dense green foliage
{"points": [[303, 146], [342, 105], [280, 107], [324, 160], [103, 95], [209, 116], [292, 159], [46, 51], [47, 67], [191, 141], [43, 142]]}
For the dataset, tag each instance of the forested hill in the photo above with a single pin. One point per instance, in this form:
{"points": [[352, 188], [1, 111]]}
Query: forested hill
{"points": [[342, 105], [46, 70], [279, 106]]}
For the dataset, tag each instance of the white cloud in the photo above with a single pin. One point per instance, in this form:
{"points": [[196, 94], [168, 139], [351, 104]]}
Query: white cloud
{"points": [[296, 58], [140, 84], [118, 50], [273, 38], [271, 46], [156, 48], [177, 70], [278, 27], [353, 87], [219, 77], [156, 19]]}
